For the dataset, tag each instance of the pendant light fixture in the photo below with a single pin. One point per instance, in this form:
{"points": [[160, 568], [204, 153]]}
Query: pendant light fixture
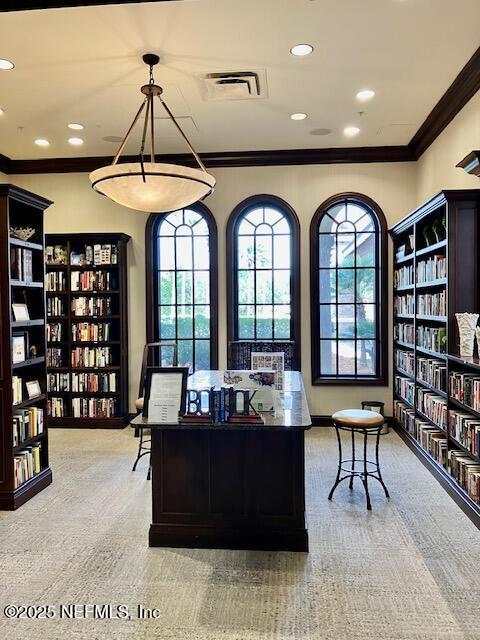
{"points": [[152, 186]]}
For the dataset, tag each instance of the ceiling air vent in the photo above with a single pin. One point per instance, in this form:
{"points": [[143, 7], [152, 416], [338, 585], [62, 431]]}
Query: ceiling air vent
{"points": [[236, 85]]}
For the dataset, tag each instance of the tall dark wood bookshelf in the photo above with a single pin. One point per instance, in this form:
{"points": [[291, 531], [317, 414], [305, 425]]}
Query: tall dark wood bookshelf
{"points": [[107, 289], [426, 340], [22, 283]]}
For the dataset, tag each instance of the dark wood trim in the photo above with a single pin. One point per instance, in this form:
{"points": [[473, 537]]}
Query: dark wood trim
{"points": [[382, 290], [222, 159], [14, 5], [462, 89], [151, 267], [471, 163], [4, 164], [231, 268]]}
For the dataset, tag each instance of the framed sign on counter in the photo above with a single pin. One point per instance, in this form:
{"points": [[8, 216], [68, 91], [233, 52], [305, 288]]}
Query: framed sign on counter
{"points": [[165, 393]]}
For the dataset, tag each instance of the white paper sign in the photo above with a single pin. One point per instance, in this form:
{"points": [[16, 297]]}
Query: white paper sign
{"points": [[165, 397]]}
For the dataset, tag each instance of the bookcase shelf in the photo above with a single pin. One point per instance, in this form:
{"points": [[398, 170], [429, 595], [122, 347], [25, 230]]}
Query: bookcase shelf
{"points": [[24, 467], [451, 264], [75, 246]]}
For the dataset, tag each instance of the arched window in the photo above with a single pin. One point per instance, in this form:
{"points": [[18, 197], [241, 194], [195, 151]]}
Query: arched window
{"points": [[348, 262], [182, 284], [263, 263]]}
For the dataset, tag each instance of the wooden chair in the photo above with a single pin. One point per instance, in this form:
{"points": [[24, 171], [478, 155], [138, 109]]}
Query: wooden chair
{"points": [[152, 357]]}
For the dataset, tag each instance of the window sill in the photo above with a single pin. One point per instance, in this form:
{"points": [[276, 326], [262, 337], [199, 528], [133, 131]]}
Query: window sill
{"points": [[351, 382]]}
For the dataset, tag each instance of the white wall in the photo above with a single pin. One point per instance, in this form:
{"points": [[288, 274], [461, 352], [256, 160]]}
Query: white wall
{"points": [[77, 208]]}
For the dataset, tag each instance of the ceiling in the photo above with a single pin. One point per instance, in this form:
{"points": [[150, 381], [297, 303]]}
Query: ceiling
{"points": [[84, 65]]}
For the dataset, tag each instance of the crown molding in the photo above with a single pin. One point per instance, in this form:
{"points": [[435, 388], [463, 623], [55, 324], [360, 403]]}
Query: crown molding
{"points": [[16, 5], [462, 89]]}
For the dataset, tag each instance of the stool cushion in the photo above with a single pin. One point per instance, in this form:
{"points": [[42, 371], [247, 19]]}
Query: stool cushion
{"points": [[139, 404], [358, 418]]}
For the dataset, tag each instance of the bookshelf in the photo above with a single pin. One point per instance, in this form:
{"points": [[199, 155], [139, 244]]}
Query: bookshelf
{"points": [[436, 393], [87, 330], [24, 464]]}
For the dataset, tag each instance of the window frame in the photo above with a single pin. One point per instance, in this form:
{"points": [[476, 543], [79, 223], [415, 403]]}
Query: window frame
{"points": [[234, 219], [152, 267], [381, 294]]}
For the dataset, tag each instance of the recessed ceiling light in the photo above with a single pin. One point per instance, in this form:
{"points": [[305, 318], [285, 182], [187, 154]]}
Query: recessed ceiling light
{"points": [[41, 142], [301, 49], [75, 141], [321, 132], [6, 64], [298, 116], [365, 94], [76, 126], [351, 131]]}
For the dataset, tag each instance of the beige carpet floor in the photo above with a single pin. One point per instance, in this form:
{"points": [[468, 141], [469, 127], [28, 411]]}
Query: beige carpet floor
{"points": [[409, 570]]}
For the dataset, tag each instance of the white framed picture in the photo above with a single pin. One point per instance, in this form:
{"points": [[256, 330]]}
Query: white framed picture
{"points": [[19, 347], [33, 388], [20, 312]]}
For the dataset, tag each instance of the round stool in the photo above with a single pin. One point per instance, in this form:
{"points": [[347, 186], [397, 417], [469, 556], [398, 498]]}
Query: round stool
{"points": [[367, 423]]}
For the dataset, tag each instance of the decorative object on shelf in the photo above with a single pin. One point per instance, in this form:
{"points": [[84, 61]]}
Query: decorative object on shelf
{"points": [[467, 323], [19, 347], [152, 186], [22, 233], [438, 228], [428, 234], [20, 312], [33, 351], [411, 241], [477, 333], [33, 388]]}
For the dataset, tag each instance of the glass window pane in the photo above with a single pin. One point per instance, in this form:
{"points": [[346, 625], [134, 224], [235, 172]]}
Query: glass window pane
{"points": [[263, 252], [360, 217], [281, 226], [365, 320], [272, 215], [167, 322], [346, 285], [263, 230], [346, 357], [327, 257], [346, 227], [245, 228], [166, 287], [185, 353], [328, 321], [346, 320], [184, 287], [245, 252], [200, 228], [282, 287], [281, 252], [185, 321], [166, 229], [264, 322], [184, 230], [175, 218], [246, 287], [246, 316], [166, 252], [202, 321], [184, 252], [255, 216], [366, 281], [328, 357], [366, 249], [328, 284], [264, 287], [202, 354], [281, 324], [346, 250], [191, 217], [202, 287], [366, 357], [202, 253]]}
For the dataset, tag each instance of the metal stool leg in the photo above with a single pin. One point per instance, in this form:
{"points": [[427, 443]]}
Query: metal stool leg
{"points": [[378, 463], [350, 484], [365, 470], [337, 480]]}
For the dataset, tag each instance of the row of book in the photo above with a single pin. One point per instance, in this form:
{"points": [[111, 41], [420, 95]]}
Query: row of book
{"points": [[466, 472], [55, 306], [404, 332], [94, 407], [21, 264], [405, 388], [55, 357], [403, 276], [85, 306], [433, 372], [83, 357], [27, 464], [56, 407], [17, 389], [465, 387], [91, 331], [55, 281], [405, 415], [93, 281], [96, 255], [405, 360], [432, 304], [404, 304], [433, 406], [58, 382], [431, 439], [54, 332], [432, 269], [27, 423], [432, 338], [465, 428]]}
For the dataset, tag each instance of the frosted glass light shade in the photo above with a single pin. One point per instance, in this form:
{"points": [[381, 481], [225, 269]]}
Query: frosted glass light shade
{"points": [[167, 187]]}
